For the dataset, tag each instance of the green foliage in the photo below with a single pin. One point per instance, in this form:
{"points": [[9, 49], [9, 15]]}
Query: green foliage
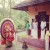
{"points": [[19, 17]]}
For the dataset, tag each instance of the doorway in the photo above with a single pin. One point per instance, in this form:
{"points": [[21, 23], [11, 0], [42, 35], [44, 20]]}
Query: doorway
{"points": [[39, 18]]}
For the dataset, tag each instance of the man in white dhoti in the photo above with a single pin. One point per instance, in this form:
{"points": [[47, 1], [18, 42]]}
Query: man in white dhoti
{"points": [[35, 29], [32, 28], [43, 25]]}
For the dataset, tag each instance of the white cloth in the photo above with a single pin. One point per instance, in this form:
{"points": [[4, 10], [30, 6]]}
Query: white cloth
{"points": [[34, 31], [43, 34], [47, 41], [43, 25]]}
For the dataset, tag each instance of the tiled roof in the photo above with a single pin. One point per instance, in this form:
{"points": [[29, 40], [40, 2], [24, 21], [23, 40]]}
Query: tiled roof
{"points": [[24, 5]]}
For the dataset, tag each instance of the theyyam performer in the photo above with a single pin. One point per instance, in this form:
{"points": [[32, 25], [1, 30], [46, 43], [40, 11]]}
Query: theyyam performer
{"points": [[7, 32]]}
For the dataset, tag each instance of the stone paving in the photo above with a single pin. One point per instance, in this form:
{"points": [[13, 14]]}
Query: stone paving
{"points": [[18, 46]]}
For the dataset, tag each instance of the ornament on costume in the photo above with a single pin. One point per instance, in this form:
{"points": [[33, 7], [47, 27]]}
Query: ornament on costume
{"points": [[7, 30]]}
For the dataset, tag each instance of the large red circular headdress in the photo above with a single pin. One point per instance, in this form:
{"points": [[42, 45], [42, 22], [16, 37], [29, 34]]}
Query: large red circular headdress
{"points": [[6, 24]]}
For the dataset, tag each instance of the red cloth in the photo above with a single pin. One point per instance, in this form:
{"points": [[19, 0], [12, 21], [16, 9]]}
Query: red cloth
{"points": [[10, 38], [3, 42]]}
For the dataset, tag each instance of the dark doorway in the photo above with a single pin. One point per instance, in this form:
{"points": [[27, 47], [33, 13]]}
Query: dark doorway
{"points": [[39, 18]]}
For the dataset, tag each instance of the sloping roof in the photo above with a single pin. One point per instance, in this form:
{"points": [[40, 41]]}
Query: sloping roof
{"points": [[23, 5]]}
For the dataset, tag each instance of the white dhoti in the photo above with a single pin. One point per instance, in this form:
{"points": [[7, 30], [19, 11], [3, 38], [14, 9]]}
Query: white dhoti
{"points": [[34, 33], [42, 34], [43, 25]]}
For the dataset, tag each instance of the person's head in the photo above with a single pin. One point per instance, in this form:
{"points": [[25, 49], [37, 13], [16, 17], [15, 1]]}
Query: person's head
{"points": [[43, 19], [32, 20], [46, 29], [27, 21], [7, 27]]}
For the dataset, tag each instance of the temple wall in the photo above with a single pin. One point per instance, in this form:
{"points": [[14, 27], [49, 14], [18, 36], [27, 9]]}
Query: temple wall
{"points": [[32, 11]]}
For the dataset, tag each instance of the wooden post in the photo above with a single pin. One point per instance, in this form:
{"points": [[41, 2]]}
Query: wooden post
{"points": [[49, 22]]}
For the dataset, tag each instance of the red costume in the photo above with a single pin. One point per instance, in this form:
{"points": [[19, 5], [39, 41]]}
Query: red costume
{"points": [[7, 32]]}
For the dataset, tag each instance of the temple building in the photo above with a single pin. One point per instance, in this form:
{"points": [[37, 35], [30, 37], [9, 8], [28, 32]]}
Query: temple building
{"points": [[36, 30], [36, 9]]}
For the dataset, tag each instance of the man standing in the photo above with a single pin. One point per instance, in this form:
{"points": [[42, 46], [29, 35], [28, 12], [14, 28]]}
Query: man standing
{"points": [[35, 29], [32, 27], [27, 27], [43, 25]]}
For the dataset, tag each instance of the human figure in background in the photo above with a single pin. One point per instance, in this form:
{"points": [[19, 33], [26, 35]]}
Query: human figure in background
{"points": [[43, 26], [47, 39], [27, 27], [32, 27], [35, 29]]}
